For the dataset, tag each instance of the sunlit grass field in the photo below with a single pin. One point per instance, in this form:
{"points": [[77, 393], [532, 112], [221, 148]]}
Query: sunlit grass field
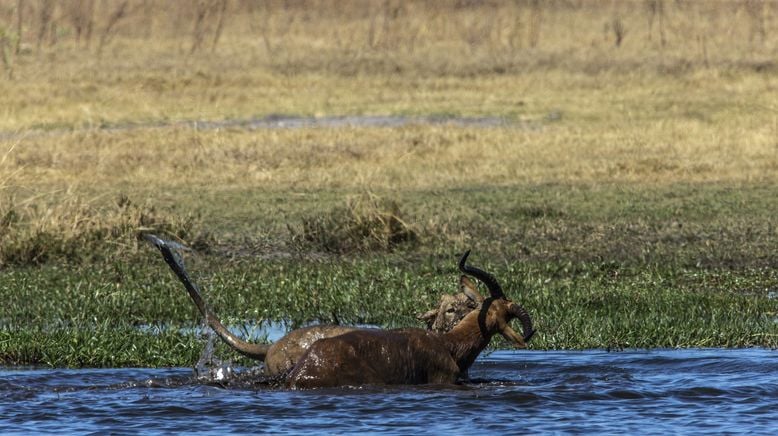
{"points": [[626, 196]]}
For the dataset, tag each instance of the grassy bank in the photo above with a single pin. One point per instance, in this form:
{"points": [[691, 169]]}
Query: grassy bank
{"points": [[132, 314], [601, 267], [626, 199]]}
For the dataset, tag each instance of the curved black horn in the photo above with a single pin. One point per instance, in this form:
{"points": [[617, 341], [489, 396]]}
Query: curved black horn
{"points": [[491, 283], [526, 322]]}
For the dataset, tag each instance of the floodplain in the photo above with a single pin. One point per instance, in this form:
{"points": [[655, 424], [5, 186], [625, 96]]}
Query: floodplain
{"points": [[623, 189]]}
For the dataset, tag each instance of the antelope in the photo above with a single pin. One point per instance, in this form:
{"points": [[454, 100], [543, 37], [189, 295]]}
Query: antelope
{"points": [[413, 356], [356, 356], [283, 354]]}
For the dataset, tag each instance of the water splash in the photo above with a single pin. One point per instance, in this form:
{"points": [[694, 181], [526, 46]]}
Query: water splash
{"points": [[209, 368], [637, 391]]}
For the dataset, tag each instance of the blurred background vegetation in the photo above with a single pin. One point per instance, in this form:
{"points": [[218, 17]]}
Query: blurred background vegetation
{"points": [[623, 171], [461, 37]]}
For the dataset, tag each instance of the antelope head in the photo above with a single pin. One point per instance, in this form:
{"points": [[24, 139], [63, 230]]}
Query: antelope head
{"points": [[497, 311]]}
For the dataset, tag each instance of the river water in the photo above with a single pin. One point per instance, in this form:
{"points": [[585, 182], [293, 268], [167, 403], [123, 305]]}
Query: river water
{"points": [[515, 392]]}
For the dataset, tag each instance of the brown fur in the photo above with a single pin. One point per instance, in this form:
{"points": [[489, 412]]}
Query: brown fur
{"points": [[452, 308], [282, 355], [336, 356], [285, 352], [404, 356]]}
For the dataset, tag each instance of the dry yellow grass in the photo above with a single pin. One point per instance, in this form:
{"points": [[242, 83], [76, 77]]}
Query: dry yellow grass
{"points": [[336, 57], [634, 180], [651, 92], [702, 128]]}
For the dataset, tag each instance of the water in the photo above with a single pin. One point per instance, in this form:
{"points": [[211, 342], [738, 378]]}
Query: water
{"points": [[662, 391], [290, 122]]}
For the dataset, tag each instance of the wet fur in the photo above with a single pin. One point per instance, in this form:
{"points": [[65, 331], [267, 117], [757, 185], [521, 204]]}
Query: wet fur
{"points": [[281, 356], [401, 356]]}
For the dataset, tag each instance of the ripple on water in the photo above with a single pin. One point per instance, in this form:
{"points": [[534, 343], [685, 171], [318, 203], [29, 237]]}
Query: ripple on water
{"points": [[657, 391]]}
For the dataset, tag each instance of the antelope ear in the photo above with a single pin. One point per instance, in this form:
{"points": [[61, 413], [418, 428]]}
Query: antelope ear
{"points": [[427, 316], [511, 336], [468, 287]]}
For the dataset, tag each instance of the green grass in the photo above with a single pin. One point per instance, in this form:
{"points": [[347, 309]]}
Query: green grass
{"points": [[98, 347], [629, 201], [94, 317], [597, 267]]}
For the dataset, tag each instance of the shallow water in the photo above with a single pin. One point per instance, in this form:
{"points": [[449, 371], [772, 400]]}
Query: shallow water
{"points": [[291, 122], [657, 391]]}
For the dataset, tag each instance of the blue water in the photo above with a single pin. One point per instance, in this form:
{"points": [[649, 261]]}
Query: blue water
{"points": [[516, 392]]}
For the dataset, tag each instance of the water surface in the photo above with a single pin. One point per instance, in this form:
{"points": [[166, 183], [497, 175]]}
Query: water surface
{"points": [[279, 121], [657, 391]]}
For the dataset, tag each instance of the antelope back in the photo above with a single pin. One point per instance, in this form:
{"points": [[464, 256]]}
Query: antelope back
{"points": [[285, 352], [374, 356]]}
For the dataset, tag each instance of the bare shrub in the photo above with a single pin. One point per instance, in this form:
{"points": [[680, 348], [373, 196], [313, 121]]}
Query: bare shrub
{"points": [[205, 12], [110, 26], [7, 39], [656, 10], [757, 13], [19, 22], [45, 16], [365, 223], [618, 30], [81, 15], [74, 230], [535, 20]]}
